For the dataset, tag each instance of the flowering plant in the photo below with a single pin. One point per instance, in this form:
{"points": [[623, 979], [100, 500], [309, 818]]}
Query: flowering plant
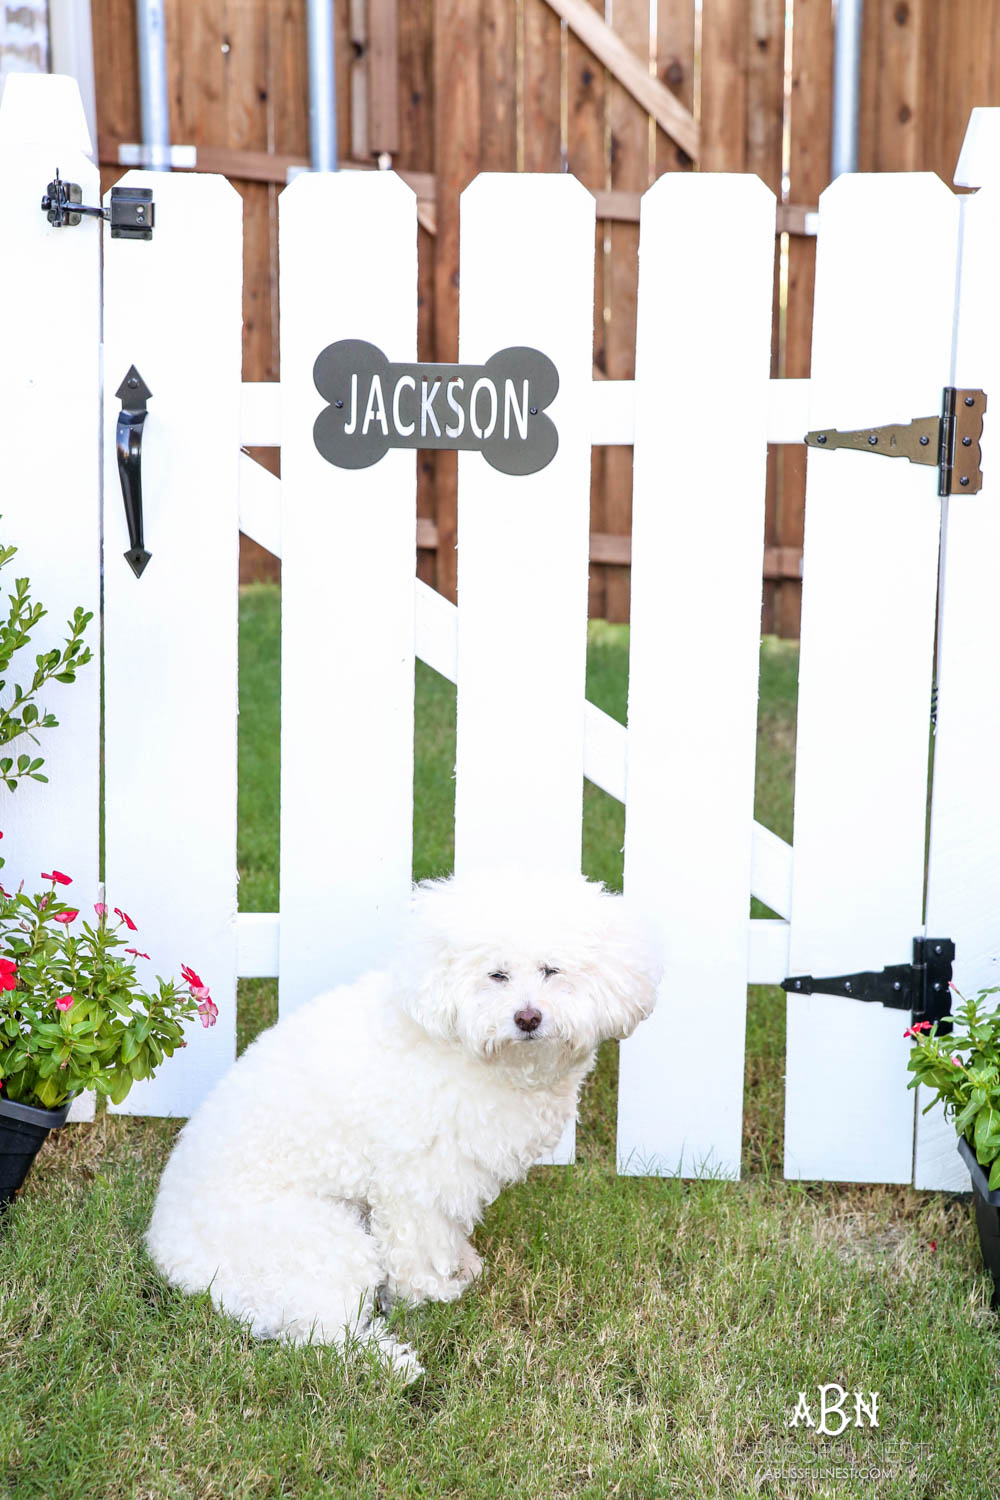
{"points": [[963, 1069], [73, 1014]]}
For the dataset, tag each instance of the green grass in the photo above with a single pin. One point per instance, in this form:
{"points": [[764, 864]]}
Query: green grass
{"points": [[630, 1337]]}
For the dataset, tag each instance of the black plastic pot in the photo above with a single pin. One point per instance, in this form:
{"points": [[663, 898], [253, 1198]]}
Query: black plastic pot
{"points": [[987, 1206], [23, 1128]]}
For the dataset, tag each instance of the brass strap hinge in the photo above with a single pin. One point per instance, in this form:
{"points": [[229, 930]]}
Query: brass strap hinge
{"points": [[951, 441]]}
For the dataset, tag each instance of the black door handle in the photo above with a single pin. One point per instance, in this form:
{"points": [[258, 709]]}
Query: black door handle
{"points": [[133, 393]]}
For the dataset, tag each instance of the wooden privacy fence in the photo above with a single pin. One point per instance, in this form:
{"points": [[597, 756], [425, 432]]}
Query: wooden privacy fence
{"points": [[848, 897]]}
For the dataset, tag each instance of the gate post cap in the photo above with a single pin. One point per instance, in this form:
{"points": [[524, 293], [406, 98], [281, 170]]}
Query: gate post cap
{"points": [[979, 159], [44, 109]]}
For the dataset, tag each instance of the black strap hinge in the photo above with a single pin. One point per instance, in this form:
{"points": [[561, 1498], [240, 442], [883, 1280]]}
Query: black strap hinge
{"points": [[131, 213], [920, 987], [951, 441]]}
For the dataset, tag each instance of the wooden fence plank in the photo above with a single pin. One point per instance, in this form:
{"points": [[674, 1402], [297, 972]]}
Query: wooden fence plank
{"points": [[963, 885], [518, 792], [170, 814], [861, 749], [587, 159], [809, 172], [631, 70], [348, 551], [50, 506], [630, 171], [688, 858], [457, 124]]}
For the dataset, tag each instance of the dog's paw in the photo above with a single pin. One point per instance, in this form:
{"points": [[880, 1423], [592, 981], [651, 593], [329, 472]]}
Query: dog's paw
{"points": [[470, 1265]]}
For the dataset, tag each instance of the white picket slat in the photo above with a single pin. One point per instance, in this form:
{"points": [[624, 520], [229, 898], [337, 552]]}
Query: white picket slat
{"points": [[522, 611], [963, 886], [173, 308], [702, 367], [348, 250], [868, 606], [49, 420]]}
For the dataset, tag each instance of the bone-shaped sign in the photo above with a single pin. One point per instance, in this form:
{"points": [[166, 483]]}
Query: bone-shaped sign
{"points": [[497, 408]]}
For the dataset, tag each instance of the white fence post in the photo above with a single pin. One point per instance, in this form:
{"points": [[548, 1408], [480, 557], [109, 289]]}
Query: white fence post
{"points": [[49, 425], [173, 308], [348, 250], [702, 365], [882, 336], [963, 888], [527, 266]]}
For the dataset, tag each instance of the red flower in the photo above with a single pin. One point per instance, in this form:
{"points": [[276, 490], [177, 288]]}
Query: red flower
{"points": [[8, 974], [126, 919], [916, 1027], [190, 976], [933, 1244], [208, 1010], [135, 953], [66, 916], [58, 878], [64, 1003]]}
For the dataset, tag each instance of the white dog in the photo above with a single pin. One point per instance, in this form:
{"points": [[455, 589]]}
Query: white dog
{"points": [[353, 1147]]}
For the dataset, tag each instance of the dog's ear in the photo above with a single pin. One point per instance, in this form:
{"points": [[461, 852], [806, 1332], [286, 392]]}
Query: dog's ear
{"points": [[630, 968], [424, 970]]}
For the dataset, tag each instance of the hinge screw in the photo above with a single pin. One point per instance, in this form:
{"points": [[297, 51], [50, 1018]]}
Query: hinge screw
{"points": [[821, 438], [966, 442], [964, 479], [847, 984], [873, 439], [937, 947], [534, 411], [896, 985], [924, 441], [970, 400]]}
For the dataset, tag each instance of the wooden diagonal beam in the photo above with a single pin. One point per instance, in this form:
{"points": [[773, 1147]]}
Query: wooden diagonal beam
{"points": [[633, 74]]}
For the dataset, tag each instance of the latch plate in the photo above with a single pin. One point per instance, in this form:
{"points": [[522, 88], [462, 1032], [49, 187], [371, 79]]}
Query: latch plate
{"points": [[951, 442], [920, 987], [131, 214]]}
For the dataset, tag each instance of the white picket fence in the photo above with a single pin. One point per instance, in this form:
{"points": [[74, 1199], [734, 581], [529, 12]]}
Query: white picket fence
{"points": [[890, 332]]}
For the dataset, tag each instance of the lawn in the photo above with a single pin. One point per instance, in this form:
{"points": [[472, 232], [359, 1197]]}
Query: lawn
{"points": [[630, 1337]]}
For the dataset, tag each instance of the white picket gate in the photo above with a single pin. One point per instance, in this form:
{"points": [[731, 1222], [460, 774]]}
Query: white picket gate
{"points": [[906, 303]]}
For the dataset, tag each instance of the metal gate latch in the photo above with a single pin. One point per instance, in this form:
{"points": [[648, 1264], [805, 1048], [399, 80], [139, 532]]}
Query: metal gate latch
{"points": [[951, 441], [920, 987], [131, 213]]}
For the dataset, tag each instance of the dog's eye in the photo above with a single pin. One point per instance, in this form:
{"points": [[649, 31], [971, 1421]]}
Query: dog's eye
{"points": [[500, 976], [548, 972]]}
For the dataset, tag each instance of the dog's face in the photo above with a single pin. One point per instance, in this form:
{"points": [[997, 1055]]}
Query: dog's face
{"points": [[530, 969]]}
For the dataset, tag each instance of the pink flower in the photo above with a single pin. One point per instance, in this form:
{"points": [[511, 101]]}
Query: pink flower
{"points": [[208, 1010], [66, 916], [957, 1061], [126, 919], [57, 877], [100, 908], [64, 1003], [135, 953], [200, 992], [917, 1027], [190, 976], [8, 974]]}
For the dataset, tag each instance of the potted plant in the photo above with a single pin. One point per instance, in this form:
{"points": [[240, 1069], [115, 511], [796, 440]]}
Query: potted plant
{"points": [[963, 1070], [74, 1016]]}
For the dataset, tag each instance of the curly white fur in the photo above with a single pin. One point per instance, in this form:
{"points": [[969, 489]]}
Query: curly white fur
{"points": [[353, 1147]]}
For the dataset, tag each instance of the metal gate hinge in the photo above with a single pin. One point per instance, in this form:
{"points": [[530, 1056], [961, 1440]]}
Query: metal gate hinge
{"points": [[131, 213], [920, 987], [951, 441]]}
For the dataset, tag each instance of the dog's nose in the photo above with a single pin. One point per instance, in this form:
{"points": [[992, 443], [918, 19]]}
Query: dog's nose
{"points": [[528, 1019]]}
